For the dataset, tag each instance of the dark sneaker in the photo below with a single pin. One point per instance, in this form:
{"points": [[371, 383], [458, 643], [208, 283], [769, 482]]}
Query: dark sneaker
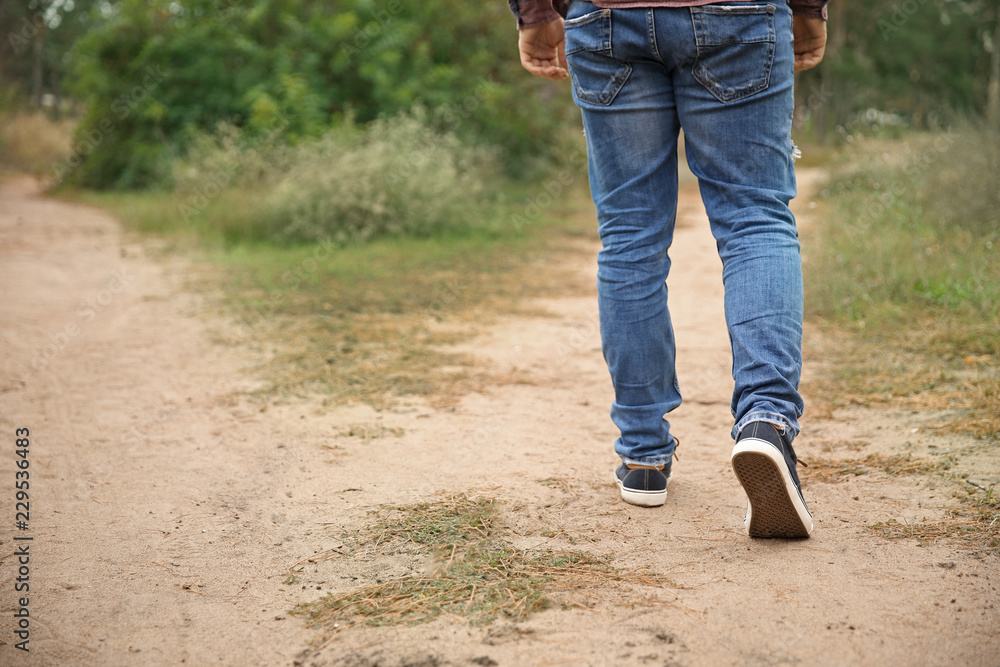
{"points": [[765, 466], [643, 485]]}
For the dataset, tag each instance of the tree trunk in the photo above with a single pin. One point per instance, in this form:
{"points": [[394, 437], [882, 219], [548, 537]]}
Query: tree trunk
{"points": [[993, 91], [835, 87], [38, 73]]}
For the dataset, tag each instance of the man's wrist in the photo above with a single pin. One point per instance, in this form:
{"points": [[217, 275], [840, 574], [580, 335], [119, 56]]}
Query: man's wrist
{"points": [[533, 13], [809, 8]]}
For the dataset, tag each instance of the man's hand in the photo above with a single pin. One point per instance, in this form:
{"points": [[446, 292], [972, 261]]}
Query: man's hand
{"points": [[543, 50], [810, 41]]}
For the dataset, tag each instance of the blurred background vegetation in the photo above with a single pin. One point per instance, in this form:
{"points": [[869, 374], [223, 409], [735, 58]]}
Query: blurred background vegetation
{"points": [[147, 78], [291, 122]]}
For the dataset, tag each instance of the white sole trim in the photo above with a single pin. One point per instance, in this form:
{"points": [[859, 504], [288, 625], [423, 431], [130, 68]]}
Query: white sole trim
{"points": [[643, 498], [753, 460]]}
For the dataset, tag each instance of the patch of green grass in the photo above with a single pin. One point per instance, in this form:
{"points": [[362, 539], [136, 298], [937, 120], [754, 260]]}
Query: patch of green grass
{"points": [[453, 522], [481, 575], [372, 321], [222, 222], [903, 278]]}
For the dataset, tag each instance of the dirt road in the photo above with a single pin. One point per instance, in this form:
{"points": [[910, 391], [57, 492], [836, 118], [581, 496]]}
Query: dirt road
{"points": [[166, 507]]}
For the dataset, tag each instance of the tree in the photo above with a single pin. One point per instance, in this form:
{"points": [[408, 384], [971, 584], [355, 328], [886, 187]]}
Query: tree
{"points": [[37, 41], [305, 65], [917, 61]]}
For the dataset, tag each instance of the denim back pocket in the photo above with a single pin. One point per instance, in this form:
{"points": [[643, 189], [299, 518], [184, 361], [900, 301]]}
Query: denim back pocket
{"points": [[735, 49], [597, 76]]}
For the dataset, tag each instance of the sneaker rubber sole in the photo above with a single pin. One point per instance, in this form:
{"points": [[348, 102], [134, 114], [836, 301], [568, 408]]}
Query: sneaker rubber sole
{"points": [[775, 508]]}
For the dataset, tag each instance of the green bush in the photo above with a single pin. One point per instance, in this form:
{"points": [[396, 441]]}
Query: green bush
{"points": [[393, 176], [157, 73], [231, 157]]}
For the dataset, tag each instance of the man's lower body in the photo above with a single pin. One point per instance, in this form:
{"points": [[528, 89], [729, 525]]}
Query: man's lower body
{"points": [[723, 73]]}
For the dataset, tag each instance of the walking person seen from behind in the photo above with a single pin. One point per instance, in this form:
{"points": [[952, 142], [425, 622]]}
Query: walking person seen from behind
{"points": [[723, 72]]}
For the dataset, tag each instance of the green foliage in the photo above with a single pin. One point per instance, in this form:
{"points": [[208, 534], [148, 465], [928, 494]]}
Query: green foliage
{"points": [[157, 73], [394, 176], [901, 64], [36, 47]]}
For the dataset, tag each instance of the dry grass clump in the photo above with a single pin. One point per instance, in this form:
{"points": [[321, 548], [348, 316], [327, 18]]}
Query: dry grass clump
{"points": [[826, 470], [560, 483], [373, 322], [481, 575], [983, 399], [400, 356], [34, 142], [904, 279], [916, 373], [976, 526], [366, 432]]}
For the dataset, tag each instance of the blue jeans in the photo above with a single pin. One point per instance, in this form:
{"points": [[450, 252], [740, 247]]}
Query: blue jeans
{"points": [[723, 73]]}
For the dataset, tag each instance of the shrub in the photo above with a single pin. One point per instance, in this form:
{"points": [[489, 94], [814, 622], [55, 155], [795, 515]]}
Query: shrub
{"points": [[394, 176], [32, 141], [230, 156], [157, 72]]}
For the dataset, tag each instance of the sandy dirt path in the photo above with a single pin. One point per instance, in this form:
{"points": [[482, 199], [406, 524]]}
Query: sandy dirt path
{"points": [[167, 507]]}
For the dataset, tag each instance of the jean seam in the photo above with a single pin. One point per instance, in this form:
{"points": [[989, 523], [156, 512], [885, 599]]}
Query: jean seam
{"points": [[651, 30], [711, 86], [606, 96]]}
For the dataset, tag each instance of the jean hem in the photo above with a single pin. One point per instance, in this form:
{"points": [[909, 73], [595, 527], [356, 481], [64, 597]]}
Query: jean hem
{"points": [[769, 417], [654, 461]]}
